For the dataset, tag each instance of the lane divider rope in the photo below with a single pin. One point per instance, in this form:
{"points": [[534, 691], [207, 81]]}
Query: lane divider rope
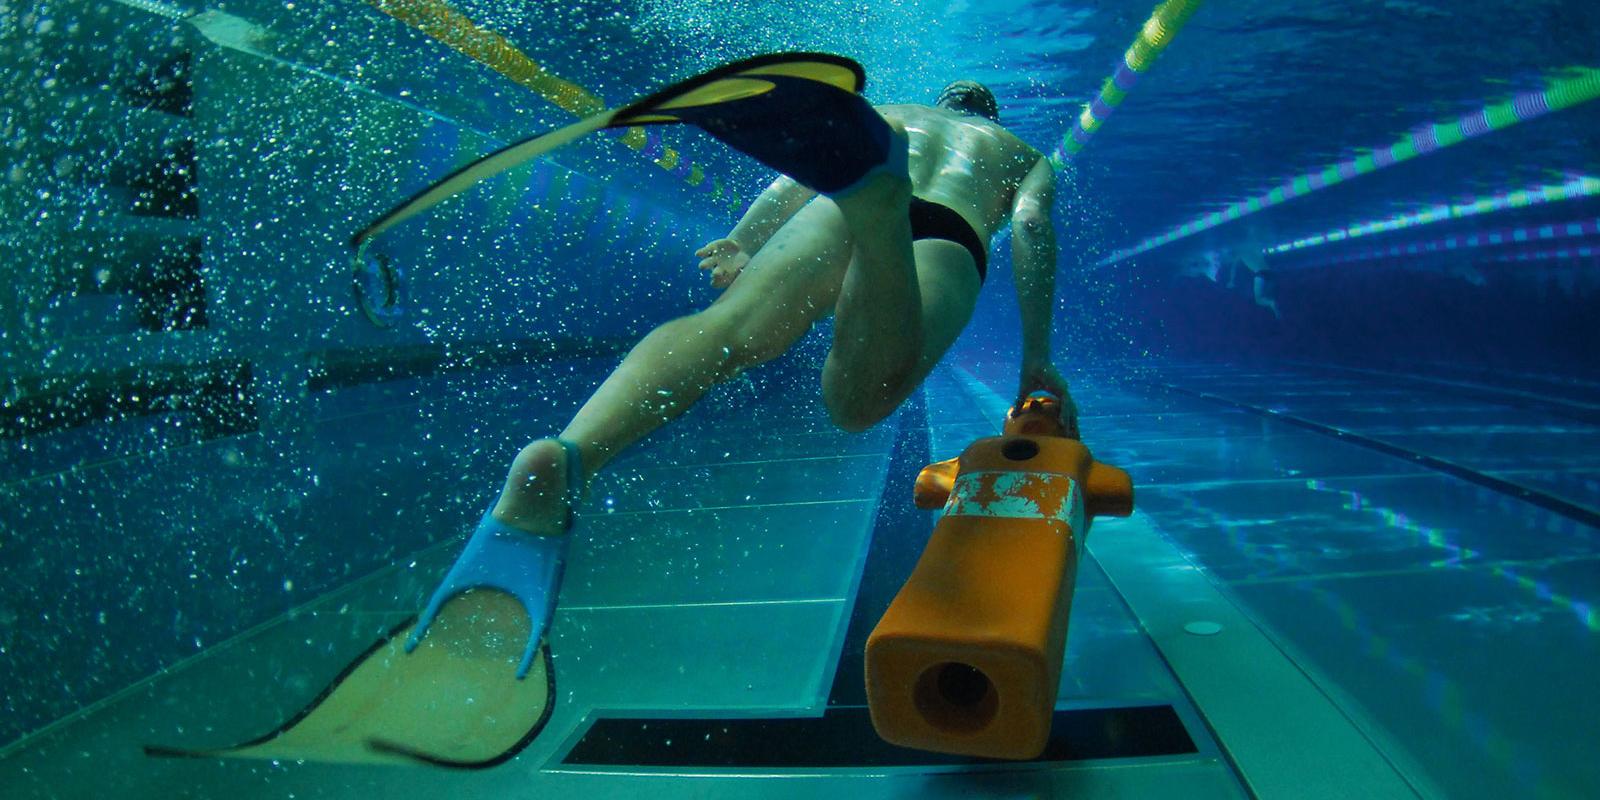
{"points": [[1574, 189], [455, 30], [1577, 85], [1470, 240], [1157, 32]]}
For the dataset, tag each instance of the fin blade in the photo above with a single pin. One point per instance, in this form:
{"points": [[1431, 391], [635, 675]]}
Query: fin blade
{"points": [[836, 71], [828, 72], [508, 157], [390, 708]]}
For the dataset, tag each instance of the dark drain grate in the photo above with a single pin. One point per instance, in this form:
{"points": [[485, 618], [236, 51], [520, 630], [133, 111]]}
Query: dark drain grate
{"points": [[843, 737]]}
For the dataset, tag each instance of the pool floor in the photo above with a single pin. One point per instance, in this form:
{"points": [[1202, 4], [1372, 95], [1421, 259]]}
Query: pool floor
{"points": [[1388, 625]]}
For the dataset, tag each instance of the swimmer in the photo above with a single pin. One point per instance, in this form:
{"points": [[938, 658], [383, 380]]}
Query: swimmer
{"points": [[1207, 266], [895, 250]]}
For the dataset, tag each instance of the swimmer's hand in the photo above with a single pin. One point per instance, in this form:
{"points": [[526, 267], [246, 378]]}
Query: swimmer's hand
{"points": [[1039, 375], [725, 259]]}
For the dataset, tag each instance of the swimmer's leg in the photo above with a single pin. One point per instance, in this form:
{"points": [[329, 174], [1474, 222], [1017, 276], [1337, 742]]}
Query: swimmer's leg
{"points": [[900, 307], [520, 544], [877, 335], [790, 283], [1264, 297]]}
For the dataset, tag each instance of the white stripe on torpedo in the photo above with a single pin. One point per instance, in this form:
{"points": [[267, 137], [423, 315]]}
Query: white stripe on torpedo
{"points": [[993, 493]]}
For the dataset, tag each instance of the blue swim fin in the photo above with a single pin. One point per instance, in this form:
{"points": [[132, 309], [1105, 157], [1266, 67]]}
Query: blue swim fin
{"points": [[525, 565]]}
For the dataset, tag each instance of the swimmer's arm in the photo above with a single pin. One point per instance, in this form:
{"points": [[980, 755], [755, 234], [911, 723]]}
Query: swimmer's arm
{"points": [[767, 214], [1033, 258]]}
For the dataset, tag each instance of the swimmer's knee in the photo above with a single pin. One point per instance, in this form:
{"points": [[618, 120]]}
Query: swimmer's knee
{"points": [[853, 413], [856, 420]]}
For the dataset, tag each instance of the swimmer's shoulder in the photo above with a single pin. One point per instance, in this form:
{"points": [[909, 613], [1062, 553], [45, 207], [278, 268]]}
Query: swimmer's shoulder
{"points": [[1022, 152], [904, 111]]}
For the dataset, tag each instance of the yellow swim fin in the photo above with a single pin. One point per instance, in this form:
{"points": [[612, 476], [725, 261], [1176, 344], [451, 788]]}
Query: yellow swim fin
{"points": [[452, 702], [713, 98]]}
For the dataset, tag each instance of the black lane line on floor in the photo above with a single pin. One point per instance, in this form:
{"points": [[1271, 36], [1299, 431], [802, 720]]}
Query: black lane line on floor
{"points": [[1549, 502], [843, 736], [219, 394], [899, 532], [1575, 410]]}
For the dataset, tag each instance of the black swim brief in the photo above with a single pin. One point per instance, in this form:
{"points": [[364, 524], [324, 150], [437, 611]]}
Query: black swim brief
{"points": [[930, 220]]}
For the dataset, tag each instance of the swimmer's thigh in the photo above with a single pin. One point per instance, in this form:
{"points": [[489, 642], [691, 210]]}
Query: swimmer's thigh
{"points": [[790, 283], [948, 281]]}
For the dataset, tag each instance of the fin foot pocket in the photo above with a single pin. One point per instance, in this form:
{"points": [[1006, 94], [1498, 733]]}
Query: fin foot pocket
{"points": [[527, 566], [824, 137]]}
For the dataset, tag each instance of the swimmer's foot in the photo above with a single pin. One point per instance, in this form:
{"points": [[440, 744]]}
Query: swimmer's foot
{"points": [[883, 193], [542, 488], [515, 548]]}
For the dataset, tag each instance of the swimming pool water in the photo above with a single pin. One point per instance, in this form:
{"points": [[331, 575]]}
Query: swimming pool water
{"points": [[219, 480]]}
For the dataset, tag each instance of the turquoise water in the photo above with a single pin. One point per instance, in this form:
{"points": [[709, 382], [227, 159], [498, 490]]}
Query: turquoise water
{"points": [[1375, 469]]}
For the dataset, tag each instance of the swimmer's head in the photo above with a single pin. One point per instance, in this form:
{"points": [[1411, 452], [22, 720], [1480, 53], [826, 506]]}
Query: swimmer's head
{"points": [[969, 97]]}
